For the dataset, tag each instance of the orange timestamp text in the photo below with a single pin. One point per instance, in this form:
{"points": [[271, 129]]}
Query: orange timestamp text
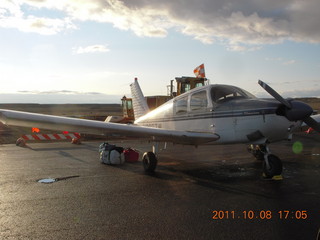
{"points": [[260, 214]]}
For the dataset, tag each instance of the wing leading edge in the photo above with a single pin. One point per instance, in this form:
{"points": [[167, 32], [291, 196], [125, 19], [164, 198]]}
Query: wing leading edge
{"points": [[26, 119]]}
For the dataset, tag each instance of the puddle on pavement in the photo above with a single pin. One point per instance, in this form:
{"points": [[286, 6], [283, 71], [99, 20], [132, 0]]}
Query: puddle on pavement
{"points": [[47, 180], [52, 180]]}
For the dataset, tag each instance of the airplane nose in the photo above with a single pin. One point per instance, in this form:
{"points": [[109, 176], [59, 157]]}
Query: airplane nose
{"points": [[293, 110], [298, 111]]}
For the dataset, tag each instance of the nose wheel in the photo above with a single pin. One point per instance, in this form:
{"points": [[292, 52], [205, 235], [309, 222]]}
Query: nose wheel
{"points": [[272, 166]]}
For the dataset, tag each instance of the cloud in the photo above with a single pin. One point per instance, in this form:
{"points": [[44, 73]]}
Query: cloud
{"points": [[302, 93], [12, 16], [58, 97], [299, 93], [282, 61], [91, 49], [241, 25], [290, 62], [58, 92], [242, 48]]}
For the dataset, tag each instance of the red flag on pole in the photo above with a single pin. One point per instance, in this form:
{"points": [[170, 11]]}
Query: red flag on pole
{"points": [[199, 71]]}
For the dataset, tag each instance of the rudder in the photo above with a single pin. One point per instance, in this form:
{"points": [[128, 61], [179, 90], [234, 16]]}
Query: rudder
{"points": [[140, 106]]}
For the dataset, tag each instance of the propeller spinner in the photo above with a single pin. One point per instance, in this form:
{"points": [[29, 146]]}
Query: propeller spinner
{"points": [[291, 109]]}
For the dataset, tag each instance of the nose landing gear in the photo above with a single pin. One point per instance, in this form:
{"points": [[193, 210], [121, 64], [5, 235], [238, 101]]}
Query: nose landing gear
{"points": [[272, 165]]}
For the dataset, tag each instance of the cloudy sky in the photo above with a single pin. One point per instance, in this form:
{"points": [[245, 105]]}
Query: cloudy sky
{"points": [[90, 51]]}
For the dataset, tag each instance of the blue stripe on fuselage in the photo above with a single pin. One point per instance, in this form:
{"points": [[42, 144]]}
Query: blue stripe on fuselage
{"points": [[221, 114]]}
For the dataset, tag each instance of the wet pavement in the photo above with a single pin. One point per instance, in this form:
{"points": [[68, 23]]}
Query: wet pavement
{"points": [[211, 192]]}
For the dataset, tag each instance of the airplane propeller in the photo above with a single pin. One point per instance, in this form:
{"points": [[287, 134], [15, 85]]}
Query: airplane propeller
{"points": [[312, 123], [274, 94], [293, 110]]}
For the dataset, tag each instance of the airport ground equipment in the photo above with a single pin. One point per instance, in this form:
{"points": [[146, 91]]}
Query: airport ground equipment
{"points": [[74, 137]]}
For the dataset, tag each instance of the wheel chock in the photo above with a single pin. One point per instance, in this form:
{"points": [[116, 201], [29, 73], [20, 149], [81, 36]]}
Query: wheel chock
{"points": [[276, 177]]}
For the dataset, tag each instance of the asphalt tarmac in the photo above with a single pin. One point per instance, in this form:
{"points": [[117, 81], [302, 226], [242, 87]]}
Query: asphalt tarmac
{"points": [[211, 192]]}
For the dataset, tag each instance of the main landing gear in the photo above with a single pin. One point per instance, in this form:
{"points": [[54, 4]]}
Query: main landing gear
{"points": [[272, 165], [149, 159]]}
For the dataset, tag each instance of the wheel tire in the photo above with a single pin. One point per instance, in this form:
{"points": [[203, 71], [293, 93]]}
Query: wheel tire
{"points": [[275, 166], [149, 161]]}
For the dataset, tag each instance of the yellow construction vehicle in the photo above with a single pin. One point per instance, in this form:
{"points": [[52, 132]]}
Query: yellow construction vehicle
{"points": [[185, 84], [127, 112], [127, 109]]}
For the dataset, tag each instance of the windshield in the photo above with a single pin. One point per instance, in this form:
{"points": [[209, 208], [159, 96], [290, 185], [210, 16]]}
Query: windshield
{"points": [[223, 93]]}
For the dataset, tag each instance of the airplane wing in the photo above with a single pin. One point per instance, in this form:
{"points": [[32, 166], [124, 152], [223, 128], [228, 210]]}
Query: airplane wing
{"points": [[26, 119]]}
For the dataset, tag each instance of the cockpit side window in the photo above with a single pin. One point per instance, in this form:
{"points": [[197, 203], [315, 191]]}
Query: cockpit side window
{"points": [[220, 94], [198, 101]]}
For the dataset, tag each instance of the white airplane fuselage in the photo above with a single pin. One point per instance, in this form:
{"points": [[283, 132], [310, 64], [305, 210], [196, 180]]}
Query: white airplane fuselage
{"points": [[232, 113]]}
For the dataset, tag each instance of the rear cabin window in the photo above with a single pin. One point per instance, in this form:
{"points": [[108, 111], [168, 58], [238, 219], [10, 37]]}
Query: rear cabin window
{"points": [[198, 101], [181, 105]]}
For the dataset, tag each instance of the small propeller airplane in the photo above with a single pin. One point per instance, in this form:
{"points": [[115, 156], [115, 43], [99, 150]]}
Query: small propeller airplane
{"points": [[211, 114]]}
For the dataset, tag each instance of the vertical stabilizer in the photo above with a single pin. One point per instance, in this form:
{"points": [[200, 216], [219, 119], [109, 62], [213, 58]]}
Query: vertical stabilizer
{"points": [[140, 106]]}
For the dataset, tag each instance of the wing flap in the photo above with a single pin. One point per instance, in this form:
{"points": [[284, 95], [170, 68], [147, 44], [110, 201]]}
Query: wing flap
{"points": [[25, 119]]}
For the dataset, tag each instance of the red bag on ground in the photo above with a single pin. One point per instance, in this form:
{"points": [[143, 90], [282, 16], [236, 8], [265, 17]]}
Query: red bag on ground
{"points": [[131, 155]]}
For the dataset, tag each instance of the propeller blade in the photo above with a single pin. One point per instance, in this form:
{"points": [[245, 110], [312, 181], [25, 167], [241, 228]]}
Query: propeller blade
{"points": [[274, 94], [312, 123]]}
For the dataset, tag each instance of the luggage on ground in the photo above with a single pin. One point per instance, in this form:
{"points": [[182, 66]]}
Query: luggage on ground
{"points": [[111, 154], [131, 155]]}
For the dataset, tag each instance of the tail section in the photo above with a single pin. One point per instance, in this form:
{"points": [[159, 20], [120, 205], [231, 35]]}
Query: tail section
{"points": [[140, 106]]}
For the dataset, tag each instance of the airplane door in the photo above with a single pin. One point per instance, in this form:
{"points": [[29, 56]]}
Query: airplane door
{"points": [[223, 120], [199, 112]]}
